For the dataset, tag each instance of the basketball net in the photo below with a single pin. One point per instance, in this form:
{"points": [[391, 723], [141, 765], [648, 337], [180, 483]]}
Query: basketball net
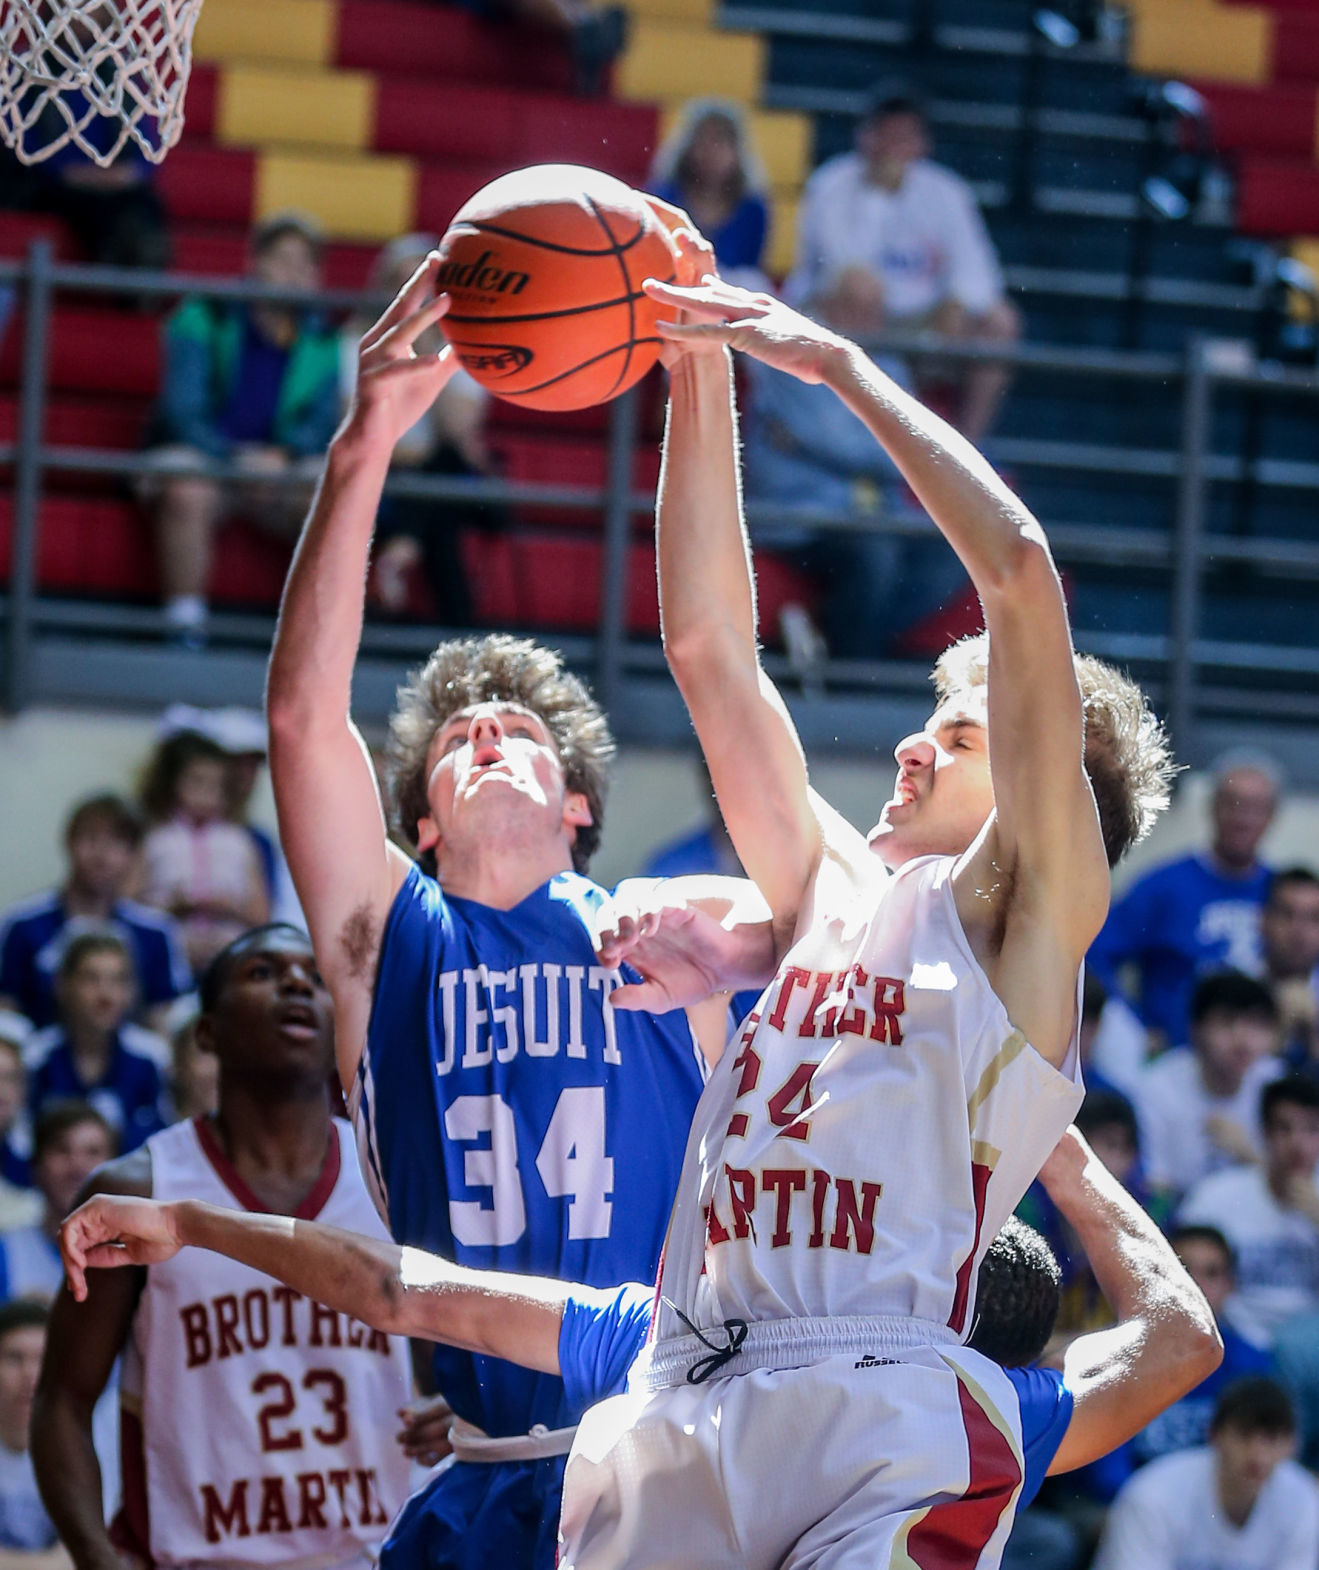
{"points": [[94, 74]]}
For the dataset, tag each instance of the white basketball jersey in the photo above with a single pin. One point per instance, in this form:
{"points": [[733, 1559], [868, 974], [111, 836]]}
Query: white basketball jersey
{"points": [[871, 1129], [258, 1426]]}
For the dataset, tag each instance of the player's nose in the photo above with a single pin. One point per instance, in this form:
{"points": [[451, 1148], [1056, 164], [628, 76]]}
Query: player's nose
{"points": [[485, 727], [297, 977], [915, 751]]}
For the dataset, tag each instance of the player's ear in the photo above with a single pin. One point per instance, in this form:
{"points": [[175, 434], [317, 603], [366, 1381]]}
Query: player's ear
{"points": [[428, 834], [577, 810], [203, 1033]]}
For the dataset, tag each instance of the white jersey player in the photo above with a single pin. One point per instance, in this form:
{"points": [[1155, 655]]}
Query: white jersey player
{"points": [[257, 1424], [914, 1061]]}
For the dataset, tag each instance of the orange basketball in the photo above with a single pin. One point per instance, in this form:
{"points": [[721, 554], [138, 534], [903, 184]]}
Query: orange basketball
{"points": [[545, 268]]}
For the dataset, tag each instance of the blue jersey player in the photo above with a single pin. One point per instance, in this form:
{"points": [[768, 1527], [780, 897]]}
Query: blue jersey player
{"points": [[508, 1117]]}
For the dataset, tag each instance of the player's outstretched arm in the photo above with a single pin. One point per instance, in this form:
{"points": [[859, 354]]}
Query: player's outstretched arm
{"points": [[708, 617], [402, 1291], [331, 824], [1165, 1341], [83, 1340]]}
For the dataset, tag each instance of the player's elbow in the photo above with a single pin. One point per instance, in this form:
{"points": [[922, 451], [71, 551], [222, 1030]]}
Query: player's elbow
{"points": [[1192, 1345], [1021, 569], [703, 655]]}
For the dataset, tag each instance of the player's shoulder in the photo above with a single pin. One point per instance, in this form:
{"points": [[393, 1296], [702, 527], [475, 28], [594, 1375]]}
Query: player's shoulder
{"points": [[128, 1175]]}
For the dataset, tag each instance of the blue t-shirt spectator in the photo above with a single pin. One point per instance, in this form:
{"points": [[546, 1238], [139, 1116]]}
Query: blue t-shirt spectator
{"points": [[32, 940], [129, 1095], [1175, 924], [740, 240], [605, 1328]]}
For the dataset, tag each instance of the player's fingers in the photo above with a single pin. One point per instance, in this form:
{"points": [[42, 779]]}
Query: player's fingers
{"points": [[107, 1256], [405, 301], [671, 216], [636, 995], [700, 300], [404, 334], [696, 332]]}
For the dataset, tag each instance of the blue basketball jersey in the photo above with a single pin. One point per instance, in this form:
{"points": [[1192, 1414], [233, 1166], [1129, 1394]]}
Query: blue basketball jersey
{"points": [[510, 1120]]}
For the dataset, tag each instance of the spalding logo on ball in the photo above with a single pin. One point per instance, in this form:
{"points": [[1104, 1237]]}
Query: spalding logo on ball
{"points": [[545, 268]]}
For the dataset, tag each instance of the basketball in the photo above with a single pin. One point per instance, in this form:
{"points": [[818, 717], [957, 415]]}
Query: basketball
{"points": [[545, 267]]}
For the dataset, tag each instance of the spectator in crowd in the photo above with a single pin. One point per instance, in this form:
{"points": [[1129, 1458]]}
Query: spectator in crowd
{"points": [[807, 452], [1289, 933], [71, 1140], [594, 34], [194, 1076], [241, 735], [95, 1054], [196, 864], [27, 1536], [1198, 913], [1198, 1107], [413, 533], [1239, 1503], [20, 1204], [101, 839], [253, 385], [914, 227], [1270, 1214], [707, 166]]}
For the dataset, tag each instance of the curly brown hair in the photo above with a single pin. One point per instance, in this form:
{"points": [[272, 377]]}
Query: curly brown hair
{"points": [[493, 669], [1127, 756]]}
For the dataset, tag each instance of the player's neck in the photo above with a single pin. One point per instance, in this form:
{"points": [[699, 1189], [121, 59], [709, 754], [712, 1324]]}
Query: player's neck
{"points": [[276, 1143], [501, 875]]}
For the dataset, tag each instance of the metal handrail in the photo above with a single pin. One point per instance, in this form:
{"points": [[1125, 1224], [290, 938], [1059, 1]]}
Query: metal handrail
{"points": [[1184, 551]]}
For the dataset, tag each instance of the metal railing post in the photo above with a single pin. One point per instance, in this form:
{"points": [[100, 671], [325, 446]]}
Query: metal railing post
{"points": [[27, 472], [1188, 535], [617, 532]]}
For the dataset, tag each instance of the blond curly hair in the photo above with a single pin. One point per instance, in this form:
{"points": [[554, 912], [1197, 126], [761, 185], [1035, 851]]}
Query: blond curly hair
{"points": [[1127, 756], [499, 669]]}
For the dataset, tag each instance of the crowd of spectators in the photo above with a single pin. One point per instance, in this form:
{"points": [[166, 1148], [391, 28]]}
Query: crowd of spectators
{"points": [[1202, 1096]]}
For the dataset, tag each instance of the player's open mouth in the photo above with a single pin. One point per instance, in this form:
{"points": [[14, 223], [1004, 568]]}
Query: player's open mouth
{"points": [[298, 1020]]}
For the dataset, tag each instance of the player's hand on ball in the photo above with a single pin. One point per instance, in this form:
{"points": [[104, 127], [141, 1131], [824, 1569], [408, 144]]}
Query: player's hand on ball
{"points": [[395, 383], [109, 1230], [715, 314], [425, 1432]]}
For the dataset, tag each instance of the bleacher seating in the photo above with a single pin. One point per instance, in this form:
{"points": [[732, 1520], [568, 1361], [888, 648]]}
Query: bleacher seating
{"points": [[381, 116]]}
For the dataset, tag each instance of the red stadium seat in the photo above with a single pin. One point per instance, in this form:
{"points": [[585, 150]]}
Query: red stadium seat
{"points": [[93, 350], [209, 184], [1277, 197], [1279, 121], [446, 45]]}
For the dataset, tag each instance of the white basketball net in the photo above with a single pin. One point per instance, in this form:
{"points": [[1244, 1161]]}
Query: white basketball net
{"points": [[95, 74]]}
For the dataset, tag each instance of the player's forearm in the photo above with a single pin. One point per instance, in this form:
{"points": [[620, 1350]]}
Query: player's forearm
{"points": [[69, 1477], [994, 535], [707, 596], [320, 618], [1133, 1263], [355, 1274]]}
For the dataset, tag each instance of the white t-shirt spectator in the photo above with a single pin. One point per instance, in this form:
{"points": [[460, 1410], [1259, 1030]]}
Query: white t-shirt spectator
{"points": [[1277, 1250], [1168, 1518], [1174, 1108], [926, 240]]}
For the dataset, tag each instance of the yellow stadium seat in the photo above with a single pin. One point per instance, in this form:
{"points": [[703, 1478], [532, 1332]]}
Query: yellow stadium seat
{"points": [[1306, 251], [355, 198], [695, 12], [668, 62], [295, 32], [1200, 38], [262, 106]]}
